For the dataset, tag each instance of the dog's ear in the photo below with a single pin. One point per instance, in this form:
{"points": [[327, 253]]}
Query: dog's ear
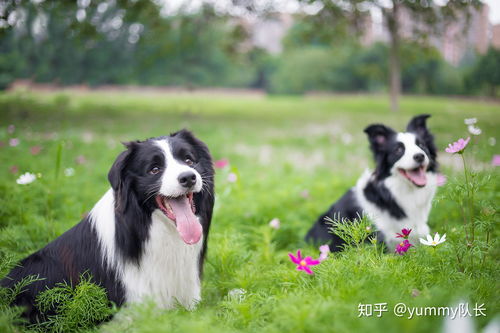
{"points": [[130, 237], [418, 126], [200, 147], [115, 174], [379, 135]]}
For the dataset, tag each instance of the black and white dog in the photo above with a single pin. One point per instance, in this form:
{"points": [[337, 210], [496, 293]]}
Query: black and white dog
{"points": [[146, 238], [398, 194]]}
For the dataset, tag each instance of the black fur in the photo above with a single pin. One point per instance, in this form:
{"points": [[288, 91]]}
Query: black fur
{"points": [[78, 250], [345, 208], [64, 259], [386, 151]]}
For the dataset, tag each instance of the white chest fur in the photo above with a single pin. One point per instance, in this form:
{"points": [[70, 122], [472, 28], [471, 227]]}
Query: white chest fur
{"points": [[167, 272], [415, 202]]}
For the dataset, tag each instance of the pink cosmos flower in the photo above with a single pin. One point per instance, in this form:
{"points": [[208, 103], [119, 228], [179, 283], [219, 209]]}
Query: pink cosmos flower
{"points": [[403, 247], [35, 150], [14, 142], [81, 159], [324, 250], [232, 178], [222, 163], [303, 263], [404, 233], [441, 179], [14, 169], [457, 147], [496, 160]]}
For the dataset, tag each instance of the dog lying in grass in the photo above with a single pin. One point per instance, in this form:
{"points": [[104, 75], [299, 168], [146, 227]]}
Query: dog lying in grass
{"points": [[397, 194], [146, 238]]}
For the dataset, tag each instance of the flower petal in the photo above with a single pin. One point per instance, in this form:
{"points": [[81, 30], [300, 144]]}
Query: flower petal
{"points": [[423, 241], [311, 262], [308, 270], [293, 259], [436, 237], [324, 248]]}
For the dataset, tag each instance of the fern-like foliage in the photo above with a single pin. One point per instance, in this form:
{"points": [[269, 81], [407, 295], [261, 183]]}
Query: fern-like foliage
{"points": [[73, 309], [10, 316], [352, 232]]}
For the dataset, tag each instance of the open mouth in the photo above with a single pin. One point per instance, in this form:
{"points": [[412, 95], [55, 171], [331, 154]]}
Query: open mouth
{"points": [[181, 210], [417, 176]]}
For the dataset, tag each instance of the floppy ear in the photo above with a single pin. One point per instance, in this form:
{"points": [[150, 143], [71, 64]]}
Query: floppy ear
{"points": [[131, 234], [378, 135], [418, 126], [115, 173]]}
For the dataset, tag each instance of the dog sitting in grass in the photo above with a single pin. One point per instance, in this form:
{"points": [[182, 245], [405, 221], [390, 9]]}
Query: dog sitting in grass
{"points": [[397, 194], [146, 238]]}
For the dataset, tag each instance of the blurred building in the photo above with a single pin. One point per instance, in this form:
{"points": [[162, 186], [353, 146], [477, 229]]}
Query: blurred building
{"points": [[464, 34], [495, 36], [268, 32], [454, 40]]}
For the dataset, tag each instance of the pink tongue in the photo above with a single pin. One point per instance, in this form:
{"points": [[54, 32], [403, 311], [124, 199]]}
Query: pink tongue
{"points": [[418, 176], [187, 224]]}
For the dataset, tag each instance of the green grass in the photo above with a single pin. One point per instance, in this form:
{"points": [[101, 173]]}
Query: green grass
{"points": [[293, 156]]}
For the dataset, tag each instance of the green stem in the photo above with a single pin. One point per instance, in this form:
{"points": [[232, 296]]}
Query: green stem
{"points": [[469, 197], [465, 224]]}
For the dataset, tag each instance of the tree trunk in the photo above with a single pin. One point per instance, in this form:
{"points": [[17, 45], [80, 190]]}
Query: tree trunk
{"points": [[394, 56]]}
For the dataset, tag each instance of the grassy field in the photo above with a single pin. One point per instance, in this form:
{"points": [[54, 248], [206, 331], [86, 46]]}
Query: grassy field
{"points": [[293, 156]]}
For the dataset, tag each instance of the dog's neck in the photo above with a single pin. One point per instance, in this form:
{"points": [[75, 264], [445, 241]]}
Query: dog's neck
{"points": [[167, 271], [413, 201]]}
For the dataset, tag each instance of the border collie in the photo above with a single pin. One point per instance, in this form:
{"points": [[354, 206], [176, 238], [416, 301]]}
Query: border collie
{"points": [[397, 194], [146, 238]]}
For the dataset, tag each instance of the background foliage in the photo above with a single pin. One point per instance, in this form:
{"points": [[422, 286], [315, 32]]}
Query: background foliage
{"points": [[135, 43]]}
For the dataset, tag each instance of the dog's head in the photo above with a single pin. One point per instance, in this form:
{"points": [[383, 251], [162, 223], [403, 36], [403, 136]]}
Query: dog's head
{"points": [[172, 174], [407, 154]]}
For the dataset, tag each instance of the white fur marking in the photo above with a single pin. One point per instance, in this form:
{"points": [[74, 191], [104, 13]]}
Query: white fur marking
{"points": [[170, 184], [411, 149], [168, 271], [415, 201], [102, 217]]}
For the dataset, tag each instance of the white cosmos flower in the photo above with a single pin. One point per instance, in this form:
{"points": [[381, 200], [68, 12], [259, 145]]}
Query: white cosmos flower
{"points": [[26, 178], [237, 294], [232, 178], [470, 121], [275, 223], [474, 130], [433, 241], [68, 172]]}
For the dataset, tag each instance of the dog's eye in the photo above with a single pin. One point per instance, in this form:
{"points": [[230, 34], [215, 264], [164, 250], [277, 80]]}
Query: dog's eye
{"points": [[154, 170], [399, 150], [189, 161]]}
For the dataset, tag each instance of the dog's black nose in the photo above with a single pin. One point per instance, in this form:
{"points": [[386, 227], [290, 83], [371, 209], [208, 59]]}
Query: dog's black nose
{"points": [[419, 158], [187, 179]]}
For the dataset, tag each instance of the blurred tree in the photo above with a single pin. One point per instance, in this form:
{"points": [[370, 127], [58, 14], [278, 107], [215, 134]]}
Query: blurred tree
{"points": [[486, 72], [353, 13]]}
